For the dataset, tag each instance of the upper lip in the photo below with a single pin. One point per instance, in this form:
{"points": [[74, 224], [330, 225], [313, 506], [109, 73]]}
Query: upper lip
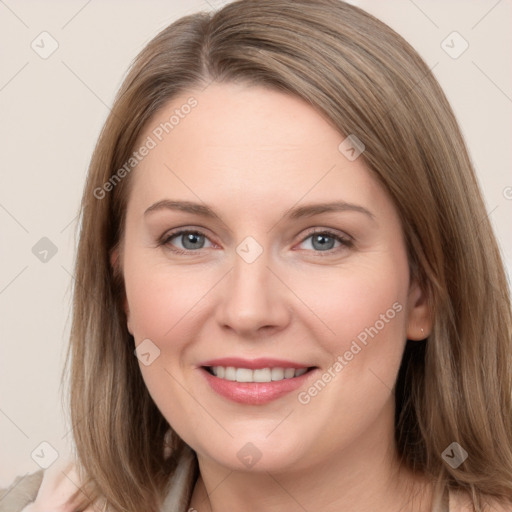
{"points": [[253, 364]]}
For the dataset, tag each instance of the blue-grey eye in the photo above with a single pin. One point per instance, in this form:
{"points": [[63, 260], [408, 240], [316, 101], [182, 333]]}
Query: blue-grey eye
{"points": [[324, 241], [191, 240], [188, 240]]}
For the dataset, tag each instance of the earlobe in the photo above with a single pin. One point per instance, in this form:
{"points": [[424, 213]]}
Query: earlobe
{"points": [[128, 316], [114, 260], [419, 320]]}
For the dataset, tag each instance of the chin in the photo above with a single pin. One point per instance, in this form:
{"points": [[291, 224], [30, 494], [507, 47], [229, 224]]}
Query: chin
{"points": [[256, 453]]}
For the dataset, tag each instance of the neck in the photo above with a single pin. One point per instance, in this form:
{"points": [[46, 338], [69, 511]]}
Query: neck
{"points": [[365, 476]]}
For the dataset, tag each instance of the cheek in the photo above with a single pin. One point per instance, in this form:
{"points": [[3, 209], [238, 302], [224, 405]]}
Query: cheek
{"points": [[365, 307], [366, 310], [159, 299], [361, 303], [162, 307]]}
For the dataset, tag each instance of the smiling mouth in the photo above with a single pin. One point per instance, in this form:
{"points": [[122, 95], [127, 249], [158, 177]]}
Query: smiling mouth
{"points": [[274, 374]]}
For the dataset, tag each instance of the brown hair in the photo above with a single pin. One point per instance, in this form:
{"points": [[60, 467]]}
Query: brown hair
{"points": [[368, 81]]}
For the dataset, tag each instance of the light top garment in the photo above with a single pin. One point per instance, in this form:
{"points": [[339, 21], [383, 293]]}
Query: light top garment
{"points": [[51, 491]]}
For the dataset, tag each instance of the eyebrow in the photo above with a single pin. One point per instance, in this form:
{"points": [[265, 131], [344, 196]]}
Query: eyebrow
{"points": [[293, 214]]}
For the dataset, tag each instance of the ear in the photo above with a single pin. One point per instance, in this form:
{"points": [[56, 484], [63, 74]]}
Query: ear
{"points": [[419, 319], [115, 263]]}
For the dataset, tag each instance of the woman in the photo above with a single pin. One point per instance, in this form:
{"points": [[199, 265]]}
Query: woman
{"points": [[340, 338]]}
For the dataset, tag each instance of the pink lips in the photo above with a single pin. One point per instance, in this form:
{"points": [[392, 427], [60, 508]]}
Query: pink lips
{"points": [[253, 393]]}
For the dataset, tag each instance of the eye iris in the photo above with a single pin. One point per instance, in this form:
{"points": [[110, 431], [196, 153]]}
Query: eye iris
{"points": [[320, 241], [190, 239], [324, 242]]}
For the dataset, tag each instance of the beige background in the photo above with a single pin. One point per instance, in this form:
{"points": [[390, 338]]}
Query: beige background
{"points": [[51, 114]]}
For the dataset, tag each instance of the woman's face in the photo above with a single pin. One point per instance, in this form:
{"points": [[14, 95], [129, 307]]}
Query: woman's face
{"points": [[224, 274]]}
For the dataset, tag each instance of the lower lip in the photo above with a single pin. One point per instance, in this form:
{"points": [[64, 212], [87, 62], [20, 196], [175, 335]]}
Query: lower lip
{"points": [[254, 393]]}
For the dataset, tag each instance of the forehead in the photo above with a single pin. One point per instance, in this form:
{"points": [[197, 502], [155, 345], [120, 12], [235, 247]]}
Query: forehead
{"points": [[247, 145]]}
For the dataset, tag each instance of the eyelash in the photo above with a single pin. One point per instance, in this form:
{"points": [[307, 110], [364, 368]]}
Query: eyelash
{"points": [[345, 241]]}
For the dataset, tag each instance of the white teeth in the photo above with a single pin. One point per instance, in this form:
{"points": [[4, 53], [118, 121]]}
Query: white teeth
{"points": [[259, 375], [277, 373], [243, 375], [263, 375], [289, 373], [230, 373]]}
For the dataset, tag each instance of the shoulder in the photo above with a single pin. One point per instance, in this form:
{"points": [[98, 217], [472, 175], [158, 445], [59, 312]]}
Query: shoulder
{"points": [[56, 488], [21, 492], [460, 501]]}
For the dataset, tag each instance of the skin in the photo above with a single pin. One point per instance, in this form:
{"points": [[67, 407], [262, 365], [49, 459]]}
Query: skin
{"points": [[252, 154]]}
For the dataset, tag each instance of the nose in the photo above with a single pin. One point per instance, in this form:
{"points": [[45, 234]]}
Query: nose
{"points": [[254, 301]]}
